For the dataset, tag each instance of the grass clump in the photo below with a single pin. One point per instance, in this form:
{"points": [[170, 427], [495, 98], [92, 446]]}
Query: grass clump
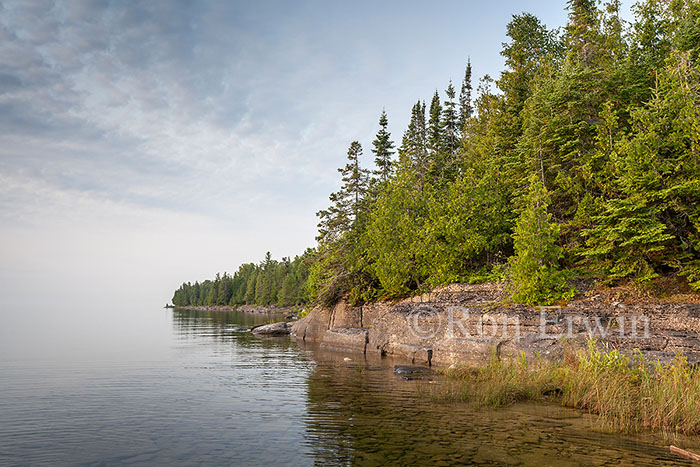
{"points": [[500, 382], [631, 394], [628, 394]]}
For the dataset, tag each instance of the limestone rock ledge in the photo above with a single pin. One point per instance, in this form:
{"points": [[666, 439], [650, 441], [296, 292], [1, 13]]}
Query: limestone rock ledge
{"points": [[466, 323]]}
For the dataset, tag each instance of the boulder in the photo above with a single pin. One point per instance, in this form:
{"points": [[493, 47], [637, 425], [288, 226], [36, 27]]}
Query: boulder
{"points": [[274, 329], [313, 326]]}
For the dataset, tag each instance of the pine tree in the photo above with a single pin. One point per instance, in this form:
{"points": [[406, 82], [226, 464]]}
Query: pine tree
{"points": [[383, 150]]}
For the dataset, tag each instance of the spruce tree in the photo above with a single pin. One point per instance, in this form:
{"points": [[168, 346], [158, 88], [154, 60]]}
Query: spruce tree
{"points": [[466, 109], [583, 30], [651, 221], [450, 137], [434, 131], [383, 150], [413, 151]]}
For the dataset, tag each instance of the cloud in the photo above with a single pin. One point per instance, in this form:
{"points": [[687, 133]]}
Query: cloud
{"points": [[68, 246], [231, 116]]}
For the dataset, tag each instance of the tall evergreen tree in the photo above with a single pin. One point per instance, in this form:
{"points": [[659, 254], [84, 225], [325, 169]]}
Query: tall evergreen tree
{"points": [[413, 151], [583, 30], [345, 203], [434, 137], [466, 110], [530, 46], [383, 150], [450, 136]]}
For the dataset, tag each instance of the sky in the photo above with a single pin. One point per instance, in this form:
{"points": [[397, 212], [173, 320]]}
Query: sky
{"points": [[143, 144]]}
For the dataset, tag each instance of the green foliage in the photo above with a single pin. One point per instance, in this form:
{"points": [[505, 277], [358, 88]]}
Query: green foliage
{"points": [[340, 217], [394, 235], [467, 228], [413, 152], [626, 237], [650, 221], [535, 276], [434, 130], [449, 126], [383, 150], [268, 283], [466, 108]]}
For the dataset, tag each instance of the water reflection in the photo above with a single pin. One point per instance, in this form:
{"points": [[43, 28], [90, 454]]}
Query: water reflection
{"points": [[360, 413], [230, 327], [206, 391]]}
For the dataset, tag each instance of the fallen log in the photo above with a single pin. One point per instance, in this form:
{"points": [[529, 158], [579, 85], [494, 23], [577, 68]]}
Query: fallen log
{"points": [[687, 454]]}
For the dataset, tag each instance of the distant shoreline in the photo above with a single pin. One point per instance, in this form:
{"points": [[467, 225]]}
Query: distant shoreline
{"points": [[240, 308]]}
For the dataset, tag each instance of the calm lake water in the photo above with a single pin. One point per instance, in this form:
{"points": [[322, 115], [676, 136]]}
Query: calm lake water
{"points": [[153, 386]]}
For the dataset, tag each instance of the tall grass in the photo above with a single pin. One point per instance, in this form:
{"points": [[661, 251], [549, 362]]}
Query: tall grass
{"points": [[628, 394], [500, 382]]}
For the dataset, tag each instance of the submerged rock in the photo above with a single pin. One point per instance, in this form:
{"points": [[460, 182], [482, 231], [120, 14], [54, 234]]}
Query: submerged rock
{"points": [[274, 329], [411, 370], [410, 373]]}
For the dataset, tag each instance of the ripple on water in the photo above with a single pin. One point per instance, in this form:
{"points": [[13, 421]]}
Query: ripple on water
{"points": [[221, 396]]}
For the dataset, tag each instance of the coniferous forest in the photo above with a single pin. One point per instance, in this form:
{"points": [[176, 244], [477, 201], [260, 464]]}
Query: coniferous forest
{"points": [[581, 160], [271, 282]]}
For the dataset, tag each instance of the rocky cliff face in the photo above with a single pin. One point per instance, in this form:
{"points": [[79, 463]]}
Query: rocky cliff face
{"points": [[466, 323]]}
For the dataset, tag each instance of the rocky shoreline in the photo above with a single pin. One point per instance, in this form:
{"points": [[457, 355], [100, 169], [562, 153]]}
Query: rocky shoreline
{"points": [[241, 308], [466, 323]]}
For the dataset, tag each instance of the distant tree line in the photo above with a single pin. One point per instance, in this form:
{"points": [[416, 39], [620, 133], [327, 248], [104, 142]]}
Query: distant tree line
{"points": [[268, 283]]}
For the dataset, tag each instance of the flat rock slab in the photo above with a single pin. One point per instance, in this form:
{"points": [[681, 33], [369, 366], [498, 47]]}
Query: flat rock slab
{"points": [[274, 329], [345, 339]]}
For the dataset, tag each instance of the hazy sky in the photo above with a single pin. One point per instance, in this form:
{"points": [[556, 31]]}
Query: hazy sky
{"points": [[146, 144]]}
